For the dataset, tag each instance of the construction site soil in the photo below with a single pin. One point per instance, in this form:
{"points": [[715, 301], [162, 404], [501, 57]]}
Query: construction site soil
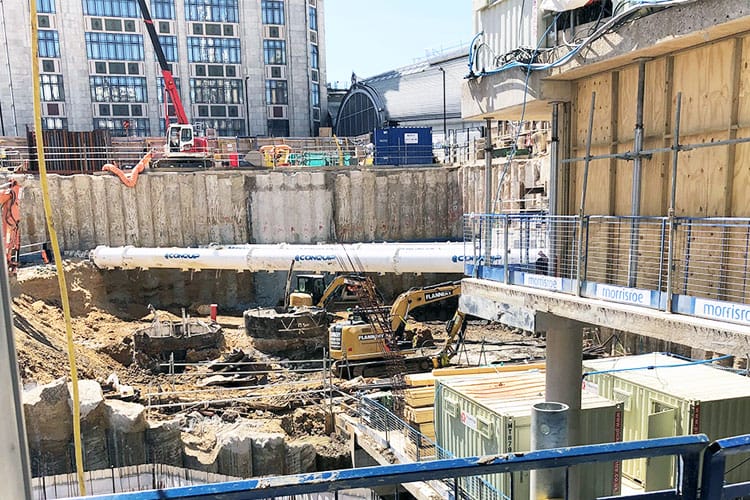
{"points": [[296, 402]]}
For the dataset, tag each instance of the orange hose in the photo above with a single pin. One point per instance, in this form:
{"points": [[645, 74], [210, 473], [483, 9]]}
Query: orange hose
{"points": [[129, 180]]}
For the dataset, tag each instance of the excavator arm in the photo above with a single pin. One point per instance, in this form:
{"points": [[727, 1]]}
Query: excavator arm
{"points": [[335, 285], [455, 328], [419, 297], [10, 194]]}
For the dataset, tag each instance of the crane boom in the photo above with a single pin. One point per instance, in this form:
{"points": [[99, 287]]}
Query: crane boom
{"points": [[169, 85]]}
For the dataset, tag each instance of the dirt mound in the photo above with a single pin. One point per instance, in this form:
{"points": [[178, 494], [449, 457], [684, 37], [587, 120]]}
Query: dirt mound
{"points": [[41, 343]]}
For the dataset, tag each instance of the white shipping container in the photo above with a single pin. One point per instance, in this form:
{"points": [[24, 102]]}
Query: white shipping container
{"points": [[664, 396], [491, 414]]}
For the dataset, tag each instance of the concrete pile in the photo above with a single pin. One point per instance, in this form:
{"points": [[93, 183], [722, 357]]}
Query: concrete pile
{"points": [[116, 433]]}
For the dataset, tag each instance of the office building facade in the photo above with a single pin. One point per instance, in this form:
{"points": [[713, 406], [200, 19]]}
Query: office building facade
{"points": [[242, 67]]}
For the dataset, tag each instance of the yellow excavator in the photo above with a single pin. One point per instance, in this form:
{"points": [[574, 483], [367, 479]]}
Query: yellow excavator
{"points": [[360, 347], [339, 295]]}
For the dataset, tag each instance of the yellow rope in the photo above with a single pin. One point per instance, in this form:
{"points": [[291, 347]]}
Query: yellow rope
{"points": [[56, 249]]}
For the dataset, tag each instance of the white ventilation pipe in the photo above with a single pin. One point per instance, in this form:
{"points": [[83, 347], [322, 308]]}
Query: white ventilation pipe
{"points": [[359, 257]]}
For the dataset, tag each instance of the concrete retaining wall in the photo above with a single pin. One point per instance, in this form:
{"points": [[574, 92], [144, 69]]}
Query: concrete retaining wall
{"points": [[190, 209]]}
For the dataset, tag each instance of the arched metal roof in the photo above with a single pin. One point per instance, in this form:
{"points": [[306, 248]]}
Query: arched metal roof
{"points": [[408, 96], [361, 112]]}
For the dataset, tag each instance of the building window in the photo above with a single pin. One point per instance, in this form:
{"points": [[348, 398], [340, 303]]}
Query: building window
{"points": [[215, 91], [118, 88], [49, 123], [213, 50], [278, 128], [116, 46], [313, 14], [160, 89], [314, 56], [277, 92], [51, 87], [122, 127], [49, 43], [315, 94], [273, 12], [169, 45], [274, 51], [162, 9], [45, 6], [111, 8], [220, 11], [225, 127]]}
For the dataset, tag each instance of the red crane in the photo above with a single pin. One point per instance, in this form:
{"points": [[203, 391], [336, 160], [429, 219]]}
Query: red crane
{"points": [[183, 150]]}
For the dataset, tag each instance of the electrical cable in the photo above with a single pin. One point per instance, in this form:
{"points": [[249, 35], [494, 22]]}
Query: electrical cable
{"points": [[514, 146], [615, 21], [654, 367], [56, 249]]}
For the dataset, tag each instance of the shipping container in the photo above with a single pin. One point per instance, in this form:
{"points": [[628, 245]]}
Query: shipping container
{"points": [[403, 146], [491, 414], [672, 397]]}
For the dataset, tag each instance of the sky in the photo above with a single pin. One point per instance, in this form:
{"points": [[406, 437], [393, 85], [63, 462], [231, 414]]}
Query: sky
{"points": [[371, 37]]}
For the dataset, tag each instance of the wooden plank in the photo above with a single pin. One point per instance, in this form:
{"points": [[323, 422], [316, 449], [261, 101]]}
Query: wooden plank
{"points": [[427, 428], [423, 396], [701, 176], [420, 379], [741, 185], [448, 372], [419, 415], [732, 125], [704, 76], [668, 129], [420, 402]]}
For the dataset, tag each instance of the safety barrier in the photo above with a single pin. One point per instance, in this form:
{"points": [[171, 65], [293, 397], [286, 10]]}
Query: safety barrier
{"points": [[694, 266], [687, 448], [421, 459], [714, 469], [409, 445]]}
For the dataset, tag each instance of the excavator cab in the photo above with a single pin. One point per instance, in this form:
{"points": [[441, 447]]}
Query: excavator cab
{"points": [[312, 284]]}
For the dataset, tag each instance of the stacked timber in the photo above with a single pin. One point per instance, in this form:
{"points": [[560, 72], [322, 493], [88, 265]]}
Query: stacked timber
{"points": [[419, 414], [419, 409]]}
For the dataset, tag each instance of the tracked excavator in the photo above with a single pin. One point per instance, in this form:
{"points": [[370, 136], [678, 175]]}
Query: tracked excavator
{"points": [[340, 294], [360, 347]]}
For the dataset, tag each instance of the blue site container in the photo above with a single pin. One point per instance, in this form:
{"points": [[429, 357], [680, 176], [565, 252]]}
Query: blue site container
{"points": [[403, 146]]}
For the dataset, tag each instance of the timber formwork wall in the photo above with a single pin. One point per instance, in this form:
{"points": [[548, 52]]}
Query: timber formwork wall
{"points": [[714, 80], [190, 209]]}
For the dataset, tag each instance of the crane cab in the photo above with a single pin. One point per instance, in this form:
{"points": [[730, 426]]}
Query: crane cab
{"points": [[180, 137]]}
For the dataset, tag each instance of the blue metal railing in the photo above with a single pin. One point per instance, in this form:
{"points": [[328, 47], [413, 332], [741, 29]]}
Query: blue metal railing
{"points": [[687, 448], [714, 469], [407, 444], [694, 266]]}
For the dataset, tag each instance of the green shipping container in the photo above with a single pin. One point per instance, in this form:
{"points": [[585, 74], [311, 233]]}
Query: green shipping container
{"points": [[491, 414], [671, 397]]}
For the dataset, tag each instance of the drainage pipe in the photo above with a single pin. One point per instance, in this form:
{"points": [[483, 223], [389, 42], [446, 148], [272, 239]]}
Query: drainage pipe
{"points": [[549, 429]]}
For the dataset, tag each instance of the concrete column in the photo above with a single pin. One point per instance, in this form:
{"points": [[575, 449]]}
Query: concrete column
{"points": [[564, 359]]}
